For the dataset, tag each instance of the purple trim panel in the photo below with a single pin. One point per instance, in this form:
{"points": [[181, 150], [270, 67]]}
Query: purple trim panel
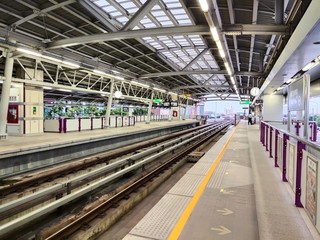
{"points": [[64, 125], [270, 147], [266, 134], [284, 155], [276, 148], [301, 146]]}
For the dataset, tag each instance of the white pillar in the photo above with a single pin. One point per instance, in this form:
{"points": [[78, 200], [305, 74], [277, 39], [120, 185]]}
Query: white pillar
{"points": [[109, 104], [5, 94], [185, 111], [150, 109]]}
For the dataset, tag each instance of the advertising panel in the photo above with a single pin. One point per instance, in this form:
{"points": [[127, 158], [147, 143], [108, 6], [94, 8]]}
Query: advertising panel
{"points": [[311, 190], [295, 94], [290, 165]]}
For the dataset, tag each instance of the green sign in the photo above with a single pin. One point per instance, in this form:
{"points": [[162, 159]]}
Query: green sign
{"points": [[157, 100], [245, 102]]}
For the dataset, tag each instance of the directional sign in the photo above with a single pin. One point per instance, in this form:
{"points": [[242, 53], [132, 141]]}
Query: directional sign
{"points": [[225, 211], [248, 102], [222, 230], [157, 100]]}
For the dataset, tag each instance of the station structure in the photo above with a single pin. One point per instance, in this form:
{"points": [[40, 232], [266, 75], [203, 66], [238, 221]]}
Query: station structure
{"points": [[166, 58]]}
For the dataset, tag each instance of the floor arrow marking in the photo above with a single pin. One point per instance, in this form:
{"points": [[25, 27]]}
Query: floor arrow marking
{"points": [[222, 230], [225, 211]]}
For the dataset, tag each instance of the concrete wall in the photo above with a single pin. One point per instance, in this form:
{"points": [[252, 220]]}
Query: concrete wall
{"points": [[272, 108]]}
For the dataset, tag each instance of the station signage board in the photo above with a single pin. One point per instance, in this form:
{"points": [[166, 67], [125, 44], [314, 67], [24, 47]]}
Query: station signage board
{"points": [[248, 102]]}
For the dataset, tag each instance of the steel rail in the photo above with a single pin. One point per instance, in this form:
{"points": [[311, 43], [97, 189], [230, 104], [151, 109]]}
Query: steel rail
{"points": [[81, 180], [92, 214], [87, 162], [11, 226]]}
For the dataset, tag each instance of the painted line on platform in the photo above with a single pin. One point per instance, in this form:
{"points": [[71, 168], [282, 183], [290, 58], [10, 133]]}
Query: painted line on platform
{"points": [[187, 212]]}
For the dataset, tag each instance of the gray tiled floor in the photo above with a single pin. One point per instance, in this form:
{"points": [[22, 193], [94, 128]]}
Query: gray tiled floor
{"points": [[245, 198]]}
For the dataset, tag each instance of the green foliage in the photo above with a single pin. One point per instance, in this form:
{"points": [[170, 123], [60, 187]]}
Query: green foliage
{"points": [[117, 112], [140, 111]]}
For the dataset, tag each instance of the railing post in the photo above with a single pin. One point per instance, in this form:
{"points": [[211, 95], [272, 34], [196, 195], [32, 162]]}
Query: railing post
{"points": [[276, 148], [284, 156], [300, 148], [266, 134], [270, 147]]}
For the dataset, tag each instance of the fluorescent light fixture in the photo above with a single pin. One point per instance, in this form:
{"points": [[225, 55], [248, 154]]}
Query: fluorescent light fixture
{"points": [[98, 71], [204, 5], [308, 66], [1, 81], [172, 93], [52, 59], [279, 88], [48, 88], [232, 80], [159, 89], [219, 45], [289, 81], [71, 64], [64, 90], [29, 51], [215, 34], [222, 54], [140, 84]]}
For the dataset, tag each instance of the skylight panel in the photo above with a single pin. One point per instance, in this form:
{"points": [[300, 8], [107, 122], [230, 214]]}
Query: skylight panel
{"points": [[110, 9], [158, 13], [122, 19], [184, 22], [145, 20], [163, 18], [101, 3], [167, 23]]}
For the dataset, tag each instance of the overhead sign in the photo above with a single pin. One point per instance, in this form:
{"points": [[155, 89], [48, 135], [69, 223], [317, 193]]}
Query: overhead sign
{"points": [[186, 94], [245, 102], [157, 100], [259, 101], [174, 104]]}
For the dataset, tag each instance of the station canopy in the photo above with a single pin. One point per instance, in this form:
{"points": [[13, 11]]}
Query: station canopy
{"points": [[166, 46]]}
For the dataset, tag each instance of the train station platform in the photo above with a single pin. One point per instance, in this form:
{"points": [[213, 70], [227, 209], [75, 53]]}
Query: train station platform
{"points": [[233, 192]]}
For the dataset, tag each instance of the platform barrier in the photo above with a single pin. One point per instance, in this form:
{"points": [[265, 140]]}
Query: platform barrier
{"points": [[64, 125], [298, 160]]}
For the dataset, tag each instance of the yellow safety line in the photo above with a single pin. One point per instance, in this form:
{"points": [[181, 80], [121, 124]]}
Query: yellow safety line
{"points": [[185, 215]]}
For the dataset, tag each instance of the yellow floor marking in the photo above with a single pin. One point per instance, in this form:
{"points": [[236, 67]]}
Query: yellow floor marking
{"points": [[185, 215]]}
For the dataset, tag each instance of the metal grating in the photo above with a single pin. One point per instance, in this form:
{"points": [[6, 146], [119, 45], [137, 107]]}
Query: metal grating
{"points": [[187, 185], [216, 179], [161, 219], [200, 168]]}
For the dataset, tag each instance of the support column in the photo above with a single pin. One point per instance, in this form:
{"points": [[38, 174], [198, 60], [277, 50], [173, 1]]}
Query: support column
{"points": [[5, 94], [109, 105], [150, 109], [185, 111]]}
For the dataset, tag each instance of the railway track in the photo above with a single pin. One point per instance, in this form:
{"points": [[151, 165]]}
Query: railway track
{"points": [[85, 163], [73, 189]]}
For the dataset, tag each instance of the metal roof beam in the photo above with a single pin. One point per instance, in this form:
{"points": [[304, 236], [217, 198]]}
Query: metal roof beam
{"points": [[252, 29], [37, 12], [223, 72], [201, 86], [143, 11], [195, 59], [102, 37]]}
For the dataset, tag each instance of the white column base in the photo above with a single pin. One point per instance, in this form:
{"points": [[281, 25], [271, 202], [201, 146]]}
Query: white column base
{"points": [[3, 137]]}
